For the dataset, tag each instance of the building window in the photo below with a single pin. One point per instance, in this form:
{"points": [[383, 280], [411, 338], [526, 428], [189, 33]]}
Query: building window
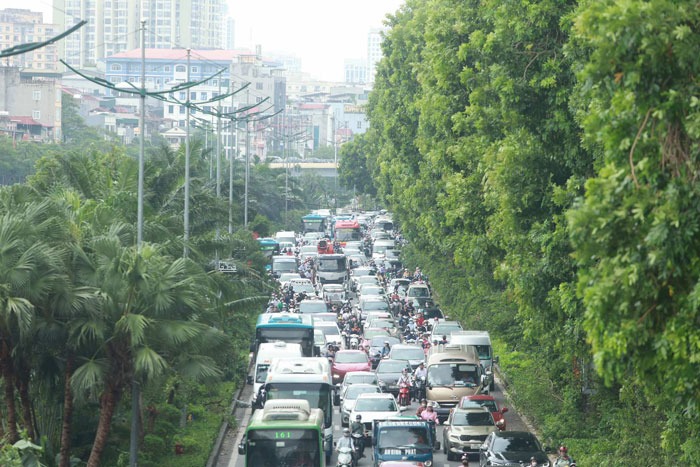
{"points": [[182, 110], [36, 95], [36, 115], [180, 69], [171, 109], [166, 68], [195, 69], [183, 95], [359, 124], [204, 96], [258, 85]]}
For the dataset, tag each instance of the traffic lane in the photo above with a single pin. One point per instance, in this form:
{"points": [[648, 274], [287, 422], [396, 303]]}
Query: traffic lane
{"points": [[439, 458]]}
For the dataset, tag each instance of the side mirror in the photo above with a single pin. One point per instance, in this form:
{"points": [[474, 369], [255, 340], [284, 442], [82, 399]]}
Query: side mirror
{"points": [[482, 448], [336, 400], [504, 410], [249, 379], [495, 359], [241, 449], [252, 347], [437, 445], [548, 450], [374, 440]]}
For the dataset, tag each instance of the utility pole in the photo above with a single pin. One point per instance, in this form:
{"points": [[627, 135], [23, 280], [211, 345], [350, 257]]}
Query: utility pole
{"points": [[286, 173], [135, 387], [230, 169], [187, 165], [247, 171]]}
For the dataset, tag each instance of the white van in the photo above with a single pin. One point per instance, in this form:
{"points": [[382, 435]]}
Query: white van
{"points": [[267, 352], [286, 237], [481, 340]]}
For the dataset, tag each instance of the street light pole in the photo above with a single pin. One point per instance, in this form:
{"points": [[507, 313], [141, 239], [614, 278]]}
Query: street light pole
{"points": [[135, 387], [233, 137], [187, 165], [247, 171]]}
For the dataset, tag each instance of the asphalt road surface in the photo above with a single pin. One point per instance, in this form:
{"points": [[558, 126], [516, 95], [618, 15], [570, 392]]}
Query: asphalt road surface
{"points": [[513, 422]]}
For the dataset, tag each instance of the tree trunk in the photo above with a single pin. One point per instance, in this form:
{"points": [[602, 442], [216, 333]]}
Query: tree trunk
{"points": [[67, 416], [23, 388], [9, 393], [108, 402]]}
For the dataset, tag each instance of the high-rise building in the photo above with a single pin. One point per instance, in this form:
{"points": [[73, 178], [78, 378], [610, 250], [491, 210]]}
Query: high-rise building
{"points": [[113, 26], [355, 71], [374, 51], [229, 29], [19, 26]]}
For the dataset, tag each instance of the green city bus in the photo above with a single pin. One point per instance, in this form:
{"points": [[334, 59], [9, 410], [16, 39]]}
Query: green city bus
{"points": [[285, 433]]}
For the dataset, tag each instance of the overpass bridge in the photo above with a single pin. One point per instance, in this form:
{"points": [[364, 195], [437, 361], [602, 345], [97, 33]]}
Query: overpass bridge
{"points": [[298, 168]]}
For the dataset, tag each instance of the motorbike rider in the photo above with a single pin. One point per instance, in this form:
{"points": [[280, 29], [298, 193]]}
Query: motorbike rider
{"points": [[563, 459], [386, 349], [346, 441], [419, 375], [429, 414], [465, 460], [357, 428], [421, 408]]}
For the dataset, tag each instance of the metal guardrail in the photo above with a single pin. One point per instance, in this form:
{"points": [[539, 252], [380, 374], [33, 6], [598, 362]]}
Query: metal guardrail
{"points": [[235, 403]]}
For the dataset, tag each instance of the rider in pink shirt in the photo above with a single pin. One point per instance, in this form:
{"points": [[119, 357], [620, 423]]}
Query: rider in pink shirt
{"points": [[429, 414]]}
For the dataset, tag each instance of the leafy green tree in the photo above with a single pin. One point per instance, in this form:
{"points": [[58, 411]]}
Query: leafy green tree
{"points": [[355, 159], [73, 127]]}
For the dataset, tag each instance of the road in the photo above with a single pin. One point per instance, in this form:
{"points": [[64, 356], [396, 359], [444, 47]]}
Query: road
{"points": [[513, 422]]}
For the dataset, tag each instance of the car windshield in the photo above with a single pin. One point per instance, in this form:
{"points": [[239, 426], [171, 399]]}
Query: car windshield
{"points": [[368, 280], [489, 404], [319, 338], [404, 437], [381, 323], [375, 305], [303, 287], [390, 367], [312, 306], [329, 330], [472, 419], [286, 277], [449, 374], [284, 266], [408, 354], [372, 333], [516, 444], [354, 390], [445, 329], [362, 272], [355, 378], [351, 357], [418, 292], [379, 341], [331, 264], [375, 405]]}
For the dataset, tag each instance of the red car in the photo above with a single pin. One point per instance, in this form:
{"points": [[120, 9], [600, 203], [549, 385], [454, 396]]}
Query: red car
{"points": [[347, 361], [490, 403]]}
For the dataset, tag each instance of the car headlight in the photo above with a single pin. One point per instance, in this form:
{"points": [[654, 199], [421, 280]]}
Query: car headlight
{"points": [[428, 463]]}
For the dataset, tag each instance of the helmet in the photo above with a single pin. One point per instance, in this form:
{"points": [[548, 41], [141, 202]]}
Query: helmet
{"points": [[359, 417], [404, 371], [423, 401], [563, 449], [346, 431], [386, 342]]}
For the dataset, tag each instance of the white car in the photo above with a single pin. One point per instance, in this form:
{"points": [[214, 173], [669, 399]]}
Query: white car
{"points": [[286, 277], [369, 289], [349, 396], [331, 331], [302, 285], [375, 407]]}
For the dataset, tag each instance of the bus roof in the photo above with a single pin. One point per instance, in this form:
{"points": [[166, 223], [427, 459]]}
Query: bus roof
{"points": [[347, 224], [275, 415], [313, 217], [268, 241], [276, 320]]}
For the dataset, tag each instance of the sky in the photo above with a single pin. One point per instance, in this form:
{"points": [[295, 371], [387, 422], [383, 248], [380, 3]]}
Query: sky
{"points": [[323, 33]]}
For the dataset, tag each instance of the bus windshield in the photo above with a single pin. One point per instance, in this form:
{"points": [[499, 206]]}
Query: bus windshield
{"points": [[283, 446], [317, 394], [347, 235], [303, 336], [313, 225], [452, 374], [331, 264], [284, 265]]}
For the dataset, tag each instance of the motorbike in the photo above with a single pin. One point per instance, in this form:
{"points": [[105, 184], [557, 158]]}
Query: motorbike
{"points": [[359, 439], [564, 463], [345, 458], [431, 423], [404, 394], [420, 388]]}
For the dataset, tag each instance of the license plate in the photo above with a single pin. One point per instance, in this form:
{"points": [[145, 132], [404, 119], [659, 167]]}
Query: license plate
{"points": [[475, 445]]}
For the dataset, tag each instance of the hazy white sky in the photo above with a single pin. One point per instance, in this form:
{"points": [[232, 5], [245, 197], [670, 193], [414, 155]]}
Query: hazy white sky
{"points": [[321, 32]]}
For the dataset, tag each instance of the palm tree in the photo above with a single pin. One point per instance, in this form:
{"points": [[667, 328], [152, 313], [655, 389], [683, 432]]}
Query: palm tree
{"points": [[155, 309]]}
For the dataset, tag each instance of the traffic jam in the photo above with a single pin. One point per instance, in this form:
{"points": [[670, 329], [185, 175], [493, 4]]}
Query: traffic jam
{"points": [[355, 363]]}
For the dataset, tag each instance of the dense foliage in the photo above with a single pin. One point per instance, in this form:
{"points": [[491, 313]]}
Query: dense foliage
{"points": [[542, 158]]}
